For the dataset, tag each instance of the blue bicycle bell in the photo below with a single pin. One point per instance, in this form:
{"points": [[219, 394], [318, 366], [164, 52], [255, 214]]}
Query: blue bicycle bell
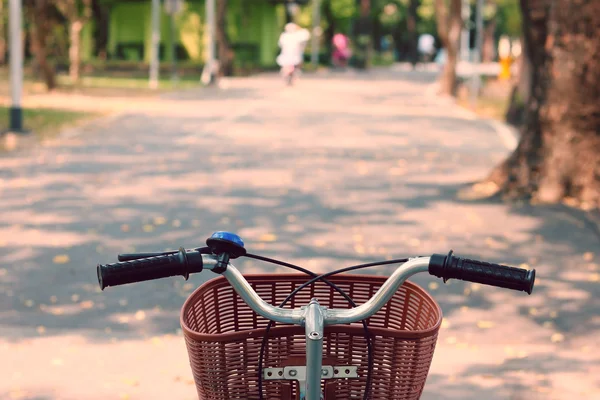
{"points": [[226, 242]]}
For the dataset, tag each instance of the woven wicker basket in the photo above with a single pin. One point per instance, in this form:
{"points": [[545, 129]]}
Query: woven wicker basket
{"points": [[223, 337]]}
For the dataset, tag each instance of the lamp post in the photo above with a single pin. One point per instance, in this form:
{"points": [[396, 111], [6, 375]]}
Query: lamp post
{"points": [[209, 64], [155, 42], [15, 21]]}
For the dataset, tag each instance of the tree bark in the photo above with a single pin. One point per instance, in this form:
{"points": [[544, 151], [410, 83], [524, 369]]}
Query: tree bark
{"points": [[558, 155], [449, 25], [77, 12], [411, 29], [2, 35], [226, 54], [101, 17], [74, 49], [489, 41], [40, 29], [330, 31], [519, 96]]}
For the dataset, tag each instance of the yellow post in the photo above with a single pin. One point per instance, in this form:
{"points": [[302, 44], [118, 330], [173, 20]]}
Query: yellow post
{"points": [[505, 58]]}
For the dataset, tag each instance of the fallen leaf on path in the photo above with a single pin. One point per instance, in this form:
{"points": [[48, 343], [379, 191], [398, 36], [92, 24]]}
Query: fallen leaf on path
{"points": [[320, 242], [148, 228], [533, 311], [86, 304], [18, 394], [61, 259], [156, 340], [557, 337], [495, 244], [359, 248], [485, 324], [159, 220], [268, 237], [131, 382]]}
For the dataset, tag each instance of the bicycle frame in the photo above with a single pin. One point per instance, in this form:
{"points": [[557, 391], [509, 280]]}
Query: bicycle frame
{"points": [[314, 317]]}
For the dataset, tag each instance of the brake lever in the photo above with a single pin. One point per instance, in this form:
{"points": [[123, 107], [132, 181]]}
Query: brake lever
{"points": [[137, 256]]}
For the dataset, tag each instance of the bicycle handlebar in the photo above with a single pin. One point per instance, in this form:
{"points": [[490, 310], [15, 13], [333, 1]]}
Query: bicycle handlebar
{"points": [[185, 262]]}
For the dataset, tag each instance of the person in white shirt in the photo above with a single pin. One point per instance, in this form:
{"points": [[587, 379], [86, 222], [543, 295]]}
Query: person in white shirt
{"points": [[292, 43], [426, 47]]}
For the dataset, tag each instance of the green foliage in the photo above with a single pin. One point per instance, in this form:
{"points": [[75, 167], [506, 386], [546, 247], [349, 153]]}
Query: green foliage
{"points": [[509, 18]]}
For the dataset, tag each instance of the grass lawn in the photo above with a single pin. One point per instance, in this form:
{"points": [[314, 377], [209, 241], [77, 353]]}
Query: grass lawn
{"points": [[106, 85], [45, 123], [493, 101]]}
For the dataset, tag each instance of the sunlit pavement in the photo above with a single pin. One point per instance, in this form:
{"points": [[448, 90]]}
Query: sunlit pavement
{"points": [[340, 169]]}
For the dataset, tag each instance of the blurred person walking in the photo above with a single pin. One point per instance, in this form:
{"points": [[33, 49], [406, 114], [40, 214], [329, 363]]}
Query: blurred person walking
{"points": [[292, 42]]}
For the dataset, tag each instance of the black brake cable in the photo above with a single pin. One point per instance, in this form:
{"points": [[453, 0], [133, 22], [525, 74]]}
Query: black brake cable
{"points": [[335, 287]]}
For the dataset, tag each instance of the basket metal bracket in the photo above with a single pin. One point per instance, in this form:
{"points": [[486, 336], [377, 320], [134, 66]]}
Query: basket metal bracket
{"points": [[298, 373]]}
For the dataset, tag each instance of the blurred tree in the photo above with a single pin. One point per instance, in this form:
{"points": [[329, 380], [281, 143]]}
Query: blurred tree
{"points": [[100, 11], [413, 35], [41, 15], [2, 33], [77, 13], [449, 25], [362, 33], [558, 155], [224, 50]]}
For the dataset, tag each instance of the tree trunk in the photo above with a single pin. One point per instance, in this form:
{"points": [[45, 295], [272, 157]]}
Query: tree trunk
{"points": [[74, 49], [330, 31], [225, 52], [558, 155], [519, 97], [449, 25], [363, 35], [411, 29], [488, 53], [101, 17], [40, 29], [2, 35]]}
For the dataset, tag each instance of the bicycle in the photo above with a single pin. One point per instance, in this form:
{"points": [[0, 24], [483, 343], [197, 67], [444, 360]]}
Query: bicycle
{"points": [[315, 352]]}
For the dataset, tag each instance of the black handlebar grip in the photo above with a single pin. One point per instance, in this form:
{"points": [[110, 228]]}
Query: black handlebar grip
{"points": [[451, 267], [145, 269]]}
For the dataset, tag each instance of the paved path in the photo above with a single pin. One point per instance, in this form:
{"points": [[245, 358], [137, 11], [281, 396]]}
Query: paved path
{"points": [[338, 170]]}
